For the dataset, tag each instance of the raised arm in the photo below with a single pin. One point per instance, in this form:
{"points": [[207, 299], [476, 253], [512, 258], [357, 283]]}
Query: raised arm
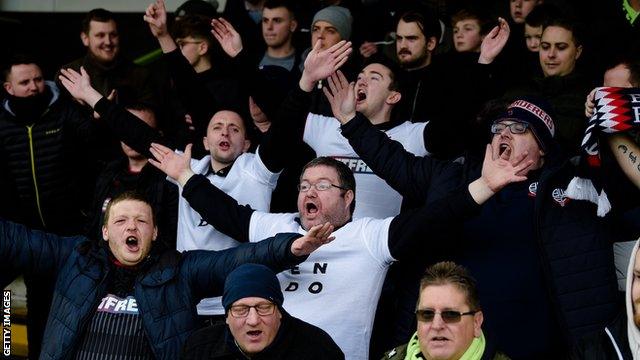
{"points": [[406, 173], [494, 42], [409, 230], [131, 130], [216, 207], [293, 112]]}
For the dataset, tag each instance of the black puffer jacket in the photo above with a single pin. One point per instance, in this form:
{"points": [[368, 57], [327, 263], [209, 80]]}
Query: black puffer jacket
{"points": [[167, 288], [42, 164]]}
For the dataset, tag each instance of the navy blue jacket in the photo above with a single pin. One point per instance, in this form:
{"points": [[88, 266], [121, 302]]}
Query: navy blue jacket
{"points": [[573, 245], [167, 289]]}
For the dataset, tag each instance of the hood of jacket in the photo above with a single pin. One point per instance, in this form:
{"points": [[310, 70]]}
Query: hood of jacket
{"points": [[632, 329]]}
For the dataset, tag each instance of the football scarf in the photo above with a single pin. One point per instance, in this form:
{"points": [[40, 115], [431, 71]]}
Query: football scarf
{"points": [[617, 110]]}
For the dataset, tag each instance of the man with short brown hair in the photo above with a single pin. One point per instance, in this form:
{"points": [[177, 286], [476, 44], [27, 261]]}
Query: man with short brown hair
{"points": [[449, 319]]}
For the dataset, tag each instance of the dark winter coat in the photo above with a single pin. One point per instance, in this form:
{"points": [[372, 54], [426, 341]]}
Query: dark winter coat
{"points": [[167, 289]]}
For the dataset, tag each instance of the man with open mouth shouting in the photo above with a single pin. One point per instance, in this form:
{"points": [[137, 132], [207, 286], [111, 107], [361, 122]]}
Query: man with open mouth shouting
{"points": [[530, 247], [130, 297], [337, 289]]}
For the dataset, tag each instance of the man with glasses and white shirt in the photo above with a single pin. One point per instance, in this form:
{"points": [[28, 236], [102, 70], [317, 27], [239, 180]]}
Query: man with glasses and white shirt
{"points": [[258, 326], [449, 319], [338, 289]]}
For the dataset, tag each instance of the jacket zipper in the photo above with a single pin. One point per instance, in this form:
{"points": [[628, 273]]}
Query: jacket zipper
{"points": [[33, 174]]}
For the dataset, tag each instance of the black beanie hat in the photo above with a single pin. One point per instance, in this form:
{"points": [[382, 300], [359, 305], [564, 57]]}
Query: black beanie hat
{"points": [[538, 114], [251, 280]]}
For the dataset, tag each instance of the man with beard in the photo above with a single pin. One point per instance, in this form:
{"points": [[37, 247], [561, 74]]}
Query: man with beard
{"points": [[41, 135], [110, 71], [431, 89], [348, 275]]}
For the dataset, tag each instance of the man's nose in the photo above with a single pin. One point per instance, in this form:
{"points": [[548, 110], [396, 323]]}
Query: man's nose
{"points": [[437, 322], [252, 317]]}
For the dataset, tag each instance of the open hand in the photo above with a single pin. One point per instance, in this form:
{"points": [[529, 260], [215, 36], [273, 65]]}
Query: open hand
{"points": [[494, 42], [176, 166], [319, 64], [227, 36], [367, 49], [79, 86], [342, 97], [498, 171], [315, 237]]}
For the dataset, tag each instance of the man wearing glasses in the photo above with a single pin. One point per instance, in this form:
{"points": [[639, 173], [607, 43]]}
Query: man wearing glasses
{"points": [[530, 247], [337, 289], [258, 326], [449, 319]]}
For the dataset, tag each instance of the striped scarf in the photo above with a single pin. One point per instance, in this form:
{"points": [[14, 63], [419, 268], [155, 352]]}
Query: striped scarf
{"points": [[617, 110]]}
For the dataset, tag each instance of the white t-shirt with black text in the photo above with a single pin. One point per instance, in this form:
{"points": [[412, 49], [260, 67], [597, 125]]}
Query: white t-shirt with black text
{"points": [[338, 286], [249, 182], [374, 197]]}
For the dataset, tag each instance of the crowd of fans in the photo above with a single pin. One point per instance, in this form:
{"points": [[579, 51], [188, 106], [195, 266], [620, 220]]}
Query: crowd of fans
{"points": [[422, 176]]}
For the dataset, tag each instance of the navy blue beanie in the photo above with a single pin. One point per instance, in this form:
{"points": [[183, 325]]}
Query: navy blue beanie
{"points": [[251, 280], [538, 114]]}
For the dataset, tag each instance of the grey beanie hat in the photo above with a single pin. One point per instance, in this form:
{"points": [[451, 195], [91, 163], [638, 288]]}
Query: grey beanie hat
{"points": [[338, 16]]}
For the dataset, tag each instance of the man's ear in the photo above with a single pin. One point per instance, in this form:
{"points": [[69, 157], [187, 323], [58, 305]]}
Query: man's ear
{"points": [[8, 88], [394, 97], [105, 233], [203, 48], [478, 318], [204, 142], [578, 51], [155, 233], [348, 197], [85, 38], [431, 43], [247, 145], [293, 25]]}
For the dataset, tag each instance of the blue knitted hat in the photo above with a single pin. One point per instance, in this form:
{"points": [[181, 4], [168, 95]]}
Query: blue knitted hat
{"points": [[251, 280]]}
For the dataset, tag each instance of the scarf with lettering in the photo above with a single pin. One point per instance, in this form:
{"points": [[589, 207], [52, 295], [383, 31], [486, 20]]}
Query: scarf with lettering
{"points": [[617, 110]]}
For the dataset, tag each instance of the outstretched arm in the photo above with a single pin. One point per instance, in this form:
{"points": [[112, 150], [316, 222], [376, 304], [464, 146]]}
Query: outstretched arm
{"points": [[129, 128], [409, 229], [216, 207], [27, 251], [280, 252]]}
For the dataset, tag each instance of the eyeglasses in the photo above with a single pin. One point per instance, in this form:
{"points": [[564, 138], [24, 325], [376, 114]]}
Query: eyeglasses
{"points": [[514, 128], [182, 43], [320, 186], [448, 316], [242, 311]]}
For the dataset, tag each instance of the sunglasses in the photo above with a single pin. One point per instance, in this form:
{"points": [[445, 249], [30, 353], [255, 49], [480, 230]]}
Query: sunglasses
{"points": [[448, 316]]}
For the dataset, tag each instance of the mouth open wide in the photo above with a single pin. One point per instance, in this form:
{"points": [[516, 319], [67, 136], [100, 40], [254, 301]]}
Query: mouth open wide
{"points": [[132, 243], [311, 208]]}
